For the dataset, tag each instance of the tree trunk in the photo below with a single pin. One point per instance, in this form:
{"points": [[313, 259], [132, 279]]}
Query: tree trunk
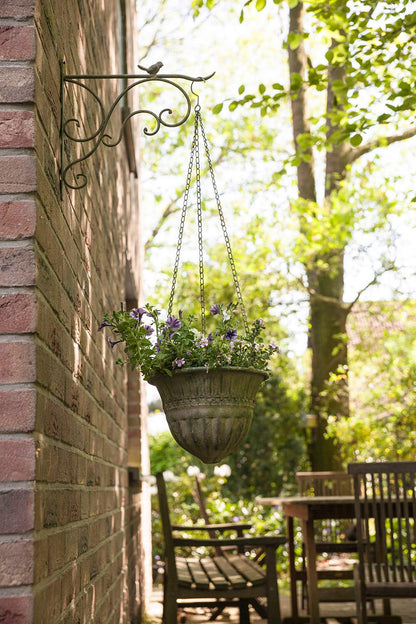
{"points": [[326, 285]]}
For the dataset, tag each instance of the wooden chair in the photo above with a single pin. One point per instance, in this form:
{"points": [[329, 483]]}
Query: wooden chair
{"points": [[332, 537], [239, 527], [234, 580], [385, 508]]}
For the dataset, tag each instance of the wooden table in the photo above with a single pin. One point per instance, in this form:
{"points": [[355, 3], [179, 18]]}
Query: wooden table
{"points": [[308, 509]]}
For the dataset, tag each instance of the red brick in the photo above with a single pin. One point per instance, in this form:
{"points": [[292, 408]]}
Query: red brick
{"points": [[17, 460], [17, 362], [17, 128], [18, 9], [16, 609], [17, 43], [17, 84], [17, 266], [17, 174], [17, 410], [17, 514], [16, 563], [17, 219], [17, 313]]}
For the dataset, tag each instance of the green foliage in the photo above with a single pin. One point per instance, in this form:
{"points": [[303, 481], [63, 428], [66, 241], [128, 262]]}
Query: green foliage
{"points": [[373, 43], [382, 425]]}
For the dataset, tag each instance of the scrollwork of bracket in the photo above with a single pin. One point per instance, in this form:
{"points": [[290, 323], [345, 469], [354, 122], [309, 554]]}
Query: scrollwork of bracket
{"points": [[100, 135]]}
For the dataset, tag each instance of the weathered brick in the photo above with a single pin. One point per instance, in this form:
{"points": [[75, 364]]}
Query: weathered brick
{"points": [[17, 313], [17, 219], [16, 609], [17, 266], [17, 460], [17, 410], [18, 9], [17, 173], [56, 551], [17, 514], [17, 43], [16, 563], [17, 84], [17, 129], [17, 361]]}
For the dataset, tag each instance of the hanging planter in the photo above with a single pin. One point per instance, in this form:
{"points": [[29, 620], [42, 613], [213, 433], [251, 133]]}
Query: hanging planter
{"points": [[209, 412], [207, 376]]}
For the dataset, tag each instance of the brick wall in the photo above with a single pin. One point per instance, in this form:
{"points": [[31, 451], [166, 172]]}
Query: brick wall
{"points": [[71, 530]]}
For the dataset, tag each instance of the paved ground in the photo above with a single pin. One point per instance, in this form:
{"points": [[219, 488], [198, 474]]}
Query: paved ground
{"points": [[405, 608]]}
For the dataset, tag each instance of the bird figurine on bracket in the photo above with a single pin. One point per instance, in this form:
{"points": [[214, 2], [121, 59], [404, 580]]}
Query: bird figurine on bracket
{"points": [[153, 69]]}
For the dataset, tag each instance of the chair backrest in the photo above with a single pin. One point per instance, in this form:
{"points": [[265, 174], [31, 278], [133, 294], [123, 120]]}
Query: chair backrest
{"points": [[166, 525], [328, 483], [324, 483], [385, 508]]}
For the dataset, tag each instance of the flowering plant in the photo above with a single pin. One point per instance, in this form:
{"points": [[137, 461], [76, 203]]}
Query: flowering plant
{"points": [[158, 346]]}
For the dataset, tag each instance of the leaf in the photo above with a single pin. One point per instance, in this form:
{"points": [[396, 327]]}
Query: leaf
{"points": [[294, 40], [262, 88], [356, 140], [383, 117], [233, 105], [217, 108], [241, 89], [260, 4]]}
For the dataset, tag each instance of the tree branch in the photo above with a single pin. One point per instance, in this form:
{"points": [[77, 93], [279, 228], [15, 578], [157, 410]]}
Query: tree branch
{"points": [[356, 153], [370, 283]]}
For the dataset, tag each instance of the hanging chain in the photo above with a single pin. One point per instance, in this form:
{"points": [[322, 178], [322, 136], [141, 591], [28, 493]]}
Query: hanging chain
{"points": [[224, 230], [199, 214], [195, 154], [182, 222]]}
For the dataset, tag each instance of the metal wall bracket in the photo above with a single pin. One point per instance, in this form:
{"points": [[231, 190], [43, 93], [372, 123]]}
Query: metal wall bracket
{"points": [[72, 127]]}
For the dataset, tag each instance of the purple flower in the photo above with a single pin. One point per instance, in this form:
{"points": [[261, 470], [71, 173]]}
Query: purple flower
{"points": [[178, 362], [215, 309], [231, 334], [274, 347], [259, 322], [174, 323], [210, 337], [104, 324], [113, 342], [137, 313], [149, 330]]}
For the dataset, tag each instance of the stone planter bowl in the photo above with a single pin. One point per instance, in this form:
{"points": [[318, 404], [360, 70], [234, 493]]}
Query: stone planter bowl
{"points": [[209, 412]]}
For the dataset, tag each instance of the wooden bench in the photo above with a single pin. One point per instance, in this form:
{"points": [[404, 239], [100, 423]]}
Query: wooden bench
{"points": [[231, 580]]}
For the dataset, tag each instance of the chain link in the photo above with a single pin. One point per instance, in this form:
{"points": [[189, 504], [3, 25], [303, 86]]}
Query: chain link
{"points": [[195, 155]]}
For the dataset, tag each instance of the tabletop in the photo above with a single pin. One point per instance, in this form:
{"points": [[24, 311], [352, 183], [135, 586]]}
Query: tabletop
{"points": [[313, 507]]}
